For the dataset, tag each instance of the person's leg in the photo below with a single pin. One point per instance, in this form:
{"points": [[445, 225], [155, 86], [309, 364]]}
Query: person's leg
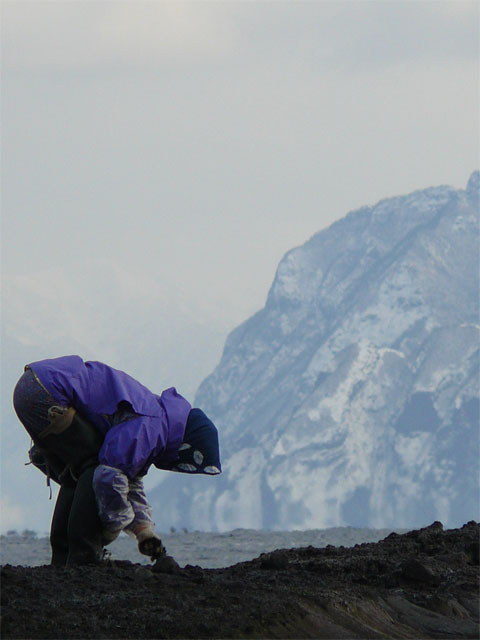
{"points": [[84, 526], [59, 527], [56, 470]]}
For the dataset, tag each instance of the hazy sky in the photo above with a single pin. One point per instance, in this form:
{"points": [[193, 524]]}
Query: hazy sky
{"points": [[199, 141], [186, 146]]}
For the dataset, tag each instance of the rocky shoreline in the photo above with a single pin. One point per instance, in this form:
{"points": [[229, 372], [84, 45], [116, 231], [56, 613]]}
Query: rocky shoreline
{"points": [[210, 550], [421, 584]]}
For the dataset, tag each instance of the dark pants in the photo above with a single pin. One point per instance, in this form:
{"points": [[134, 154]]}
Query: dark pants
{"points": [[76, 532], [68, 457]]}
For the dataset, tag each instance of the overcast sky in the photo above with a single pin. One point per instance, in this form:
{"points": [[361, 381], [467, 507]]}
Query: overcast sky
{"points": [[186, 146], [201, 140]]}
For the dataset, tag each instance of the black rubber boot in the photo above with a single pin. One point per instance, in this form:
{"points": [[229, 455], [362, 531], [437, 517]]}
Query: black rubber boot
{"points": [[84, 529]]}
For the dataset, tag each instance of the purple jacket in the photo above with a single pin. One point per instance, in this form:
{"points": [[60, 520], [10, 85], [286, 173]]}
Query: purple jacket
{"points": [[94, 389]]}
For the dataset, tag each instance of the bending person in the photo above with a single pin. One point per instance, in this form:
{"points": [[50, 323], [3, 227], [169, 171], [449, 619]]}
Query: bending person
{"points": [[96, 431]]}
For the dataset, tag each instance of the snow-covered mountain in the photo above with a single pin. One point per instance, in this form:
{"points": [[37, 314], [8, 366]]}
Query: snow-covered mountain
{"points": [[352, 397]]}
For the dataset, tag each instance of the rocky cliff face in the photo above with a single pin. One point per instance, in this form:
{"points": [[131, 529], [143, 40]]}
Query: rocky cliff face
{"points": [[352, 398]]}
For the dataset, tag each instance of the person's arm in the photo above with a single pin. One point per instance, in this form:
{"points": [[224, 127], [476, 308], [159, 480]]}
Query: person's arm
{"points": [[112, 488], [128, 450], [123, 506], [142, 510], [131, 446]]}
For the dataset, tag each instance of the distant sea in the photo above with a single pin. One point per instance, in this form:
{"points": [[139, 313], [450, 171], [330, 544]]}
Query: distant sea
{"points": [[207, 550]]}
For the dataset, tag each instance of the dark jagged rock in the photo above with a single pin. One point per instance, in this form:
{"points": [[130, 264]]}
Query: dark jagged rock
{"points": [[274, 560], [166, 564], [415, 570], [422, 584]]}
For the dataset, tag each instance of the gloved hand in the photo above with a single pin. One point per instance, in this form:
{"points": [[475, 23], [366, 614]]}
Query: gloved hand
{"points": [[149, 544]]}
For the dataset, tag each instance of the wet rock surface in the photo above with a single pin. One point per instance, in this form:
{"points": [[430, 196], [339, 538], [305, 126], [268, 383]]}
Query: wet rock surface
{"points": [[422, 584]]}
